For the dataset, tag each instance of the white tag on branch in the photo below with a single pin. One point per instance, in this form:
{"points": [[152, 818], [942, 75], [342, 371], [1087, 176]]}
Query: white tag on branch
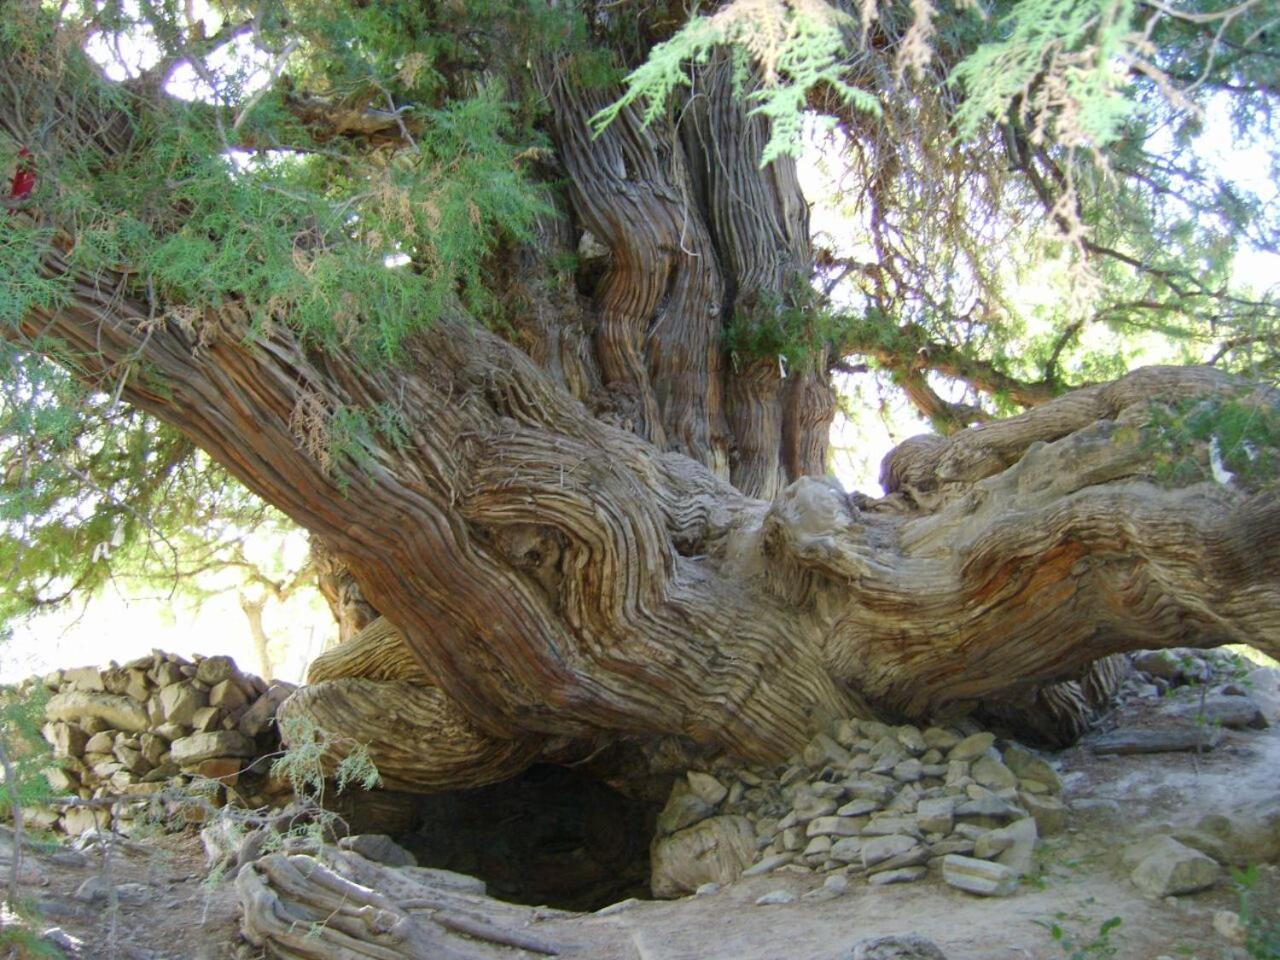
{"points": [[103, 550], [1220, 471]]}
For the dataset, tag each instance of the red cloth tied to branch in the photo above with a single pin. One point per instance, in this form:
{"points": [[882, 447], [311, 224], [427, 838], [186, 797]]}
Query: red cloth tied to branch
{"points": [[24, 176]]}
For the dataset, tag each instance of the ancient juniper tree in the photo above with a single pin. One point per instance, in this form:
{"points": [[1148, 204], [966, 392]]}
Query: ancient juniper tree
{"points": [[549, 372]]}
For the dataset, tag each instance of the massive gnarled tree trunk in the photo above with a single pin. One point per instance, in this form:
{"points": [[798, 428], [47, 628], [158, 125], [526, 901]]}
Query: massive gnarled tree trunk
{"points": [[606, 526]]}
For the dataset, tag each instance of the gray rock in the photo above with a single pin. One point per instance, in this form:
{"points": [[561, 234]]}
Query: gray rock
{"points": [[822, 751], [707, 787], [879, 849], [1049, 812], [67, 739], [620, 907], [136, 685], [707, 889], [989, 806], [207, 720], [901, 875], [912, 740], [379, 848], [908, 771], [903, 947], [846, 733], [887, 746], [229, 695], [817, 849], [102, 742], [812, 808], [847, 850], [1237, 713], [715, 850], [952, 845], [1170, 868], [213, 670], [979, 876], [936, 815], [86, 679], [1228, 925], [887, 826], [153, 748], [906, 801], [682, 810], [1028, 766], [769, 864], [121, 713], [864, 788], [939, 738], [915, 856], [1249, 833], [993, 774], [79, 820], [832, 826], [1158, 663], [1020, 854], [776, 897], [206, 746], [858, 808], [179, 703], [165, 673], [972, 747], [837, 883]]}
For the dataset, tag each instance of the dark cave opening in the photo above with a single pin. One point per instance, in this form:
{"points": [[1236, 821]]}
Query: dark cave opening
{"points": [[551, 836]]}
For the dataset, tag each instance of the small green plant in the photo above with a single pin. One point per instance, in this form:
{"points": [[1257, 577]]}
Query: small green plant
{"points": [[19, 941], [1261, 924], [1074, 946]]}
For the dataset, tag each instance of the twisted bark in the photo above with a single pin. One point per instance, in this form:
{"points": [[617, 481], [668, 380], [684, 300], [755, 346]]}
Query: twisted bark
{"points": [[557, 579]]}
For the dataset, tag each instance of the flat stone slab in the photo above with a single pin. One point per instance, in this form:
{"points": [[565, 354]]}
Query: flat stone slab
{"points": [[979, 876], [1171, 739], [1238, 713]]}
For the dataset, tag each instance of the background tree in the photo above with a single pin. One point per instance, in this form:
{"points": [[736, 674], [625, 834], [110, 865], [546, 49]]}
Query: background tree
{"points": [[537, 351], [98, 495]]}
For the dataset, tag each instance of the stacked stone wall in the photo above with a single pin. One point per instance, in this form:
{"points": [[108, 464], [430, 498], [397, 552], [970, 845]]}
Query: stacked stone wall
{"points": [[158, 742]]}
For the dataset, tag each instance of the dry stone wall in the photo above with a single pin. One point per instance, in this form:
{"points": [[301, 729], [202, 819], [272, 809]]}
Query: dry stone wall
{"points": [[158, 741], [865, 801]]}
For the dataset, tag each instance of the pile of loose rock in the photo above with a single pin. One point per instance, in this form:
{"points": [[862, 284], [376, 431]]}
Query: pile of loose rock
{"points": [[868, 800], [167, 737]]}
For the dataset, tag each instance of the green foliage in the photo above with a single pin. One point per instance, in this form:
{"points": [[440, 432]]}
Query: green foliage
{"points": [[20, 941], [314, 756], [21, 715], [794, 48], [94, 491], [795, 328], [1241, 437], [1076, 42], [1074, 947]]}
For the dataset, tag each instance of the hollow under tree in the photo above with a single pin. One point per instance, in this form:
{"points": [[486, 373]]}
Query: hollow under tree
{"points": [[572, 449]]}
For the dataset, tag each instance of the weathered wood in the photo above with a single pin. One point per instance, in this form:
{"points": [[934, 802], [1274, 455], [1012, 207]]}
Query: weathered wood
{"points": [[335, 905], [1171, 739], [418, 739]]}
